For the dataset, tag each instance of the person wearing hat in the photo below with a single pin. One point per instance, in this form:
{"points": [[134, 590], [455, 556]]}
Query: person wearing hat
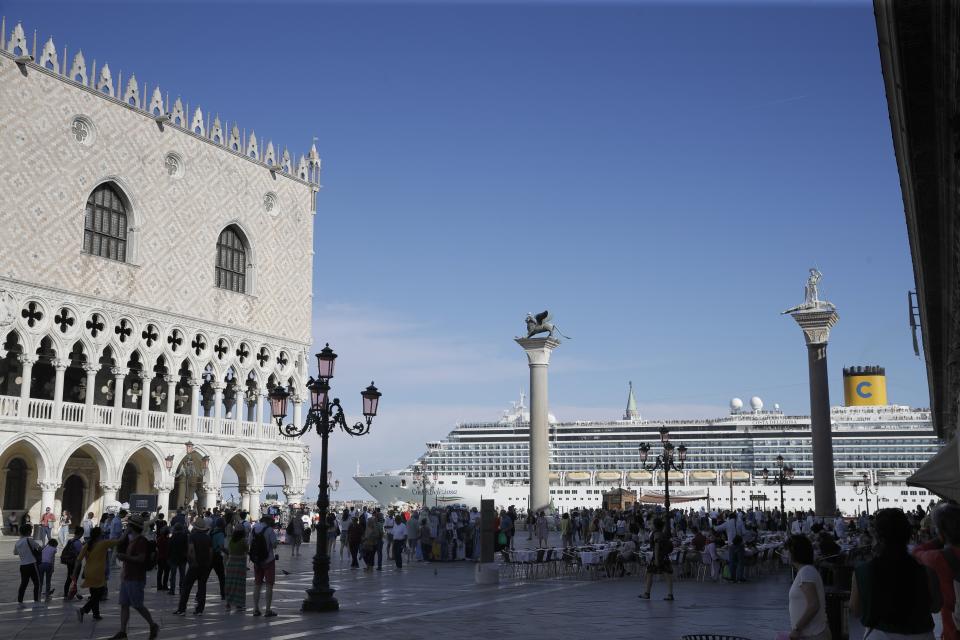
{"points": [[199, 563], [133, 577]]}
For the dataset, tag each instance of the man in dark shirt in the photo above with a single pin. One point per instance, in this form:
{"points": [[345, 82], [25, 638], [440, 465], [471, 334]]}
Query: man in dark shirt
{"points": [[199, 562], [699, 541], [133, 577]]}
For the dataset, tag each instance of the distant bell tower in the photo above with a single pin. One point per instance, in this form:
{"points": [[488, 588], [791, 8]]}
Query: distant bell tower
{"points": [[632, 412]]}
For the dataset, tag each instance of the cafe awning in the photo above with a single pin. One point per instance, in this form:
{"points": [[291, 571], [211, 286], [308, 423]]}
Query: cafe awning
{"points": [[941, 474]]}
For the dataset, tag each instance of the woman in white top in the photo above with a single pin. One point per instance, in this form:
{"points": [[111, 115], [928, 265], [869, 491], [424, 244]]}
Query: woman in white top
{"points": [[808, 607]]}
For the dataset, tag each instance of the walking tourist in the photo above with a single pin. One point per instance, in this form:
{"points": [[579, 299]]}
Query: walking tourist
{"points": [[199, 563], [87, 524], [65, 527], [133, 578], [68, 557], [541, 528], [345, 521], [263, 545], [163, 558], [295, 535], [218, 542], [737, 555], [236, 570], [177, 556], [28, 551], [371, 541], [807, 603], [355, 538], [660, 565], [47, 555], [892, 594], [399, 543], [943, 556], [46, 524], [93, 561]]}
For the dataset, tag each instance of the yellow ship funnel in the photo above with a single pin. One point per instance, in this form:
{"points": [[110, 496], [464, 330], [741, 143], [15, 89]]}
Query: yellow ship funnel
{"points": [[864, 386]]}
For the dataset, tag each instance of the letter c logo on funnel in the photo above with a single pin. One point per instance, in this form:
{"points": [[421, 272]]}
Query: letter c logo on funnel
{"points": [[860, 389]]}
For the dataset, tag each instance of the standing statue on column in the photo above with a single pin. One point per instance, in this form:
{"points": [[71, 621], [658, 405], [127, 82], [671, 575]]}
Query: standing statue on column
{"points": [[811, 295]]}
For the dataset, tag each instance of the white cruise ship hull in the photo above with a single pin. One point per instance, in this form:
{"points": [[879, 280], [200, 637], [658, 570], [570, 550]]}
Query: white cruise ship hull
{"points": [[390, 489]]}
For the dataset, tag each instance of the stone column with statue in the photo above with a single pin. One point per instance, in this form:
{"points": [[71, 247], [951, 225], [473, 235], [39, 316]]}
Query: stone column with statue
{"points": [[816, 317], [538, 352]]}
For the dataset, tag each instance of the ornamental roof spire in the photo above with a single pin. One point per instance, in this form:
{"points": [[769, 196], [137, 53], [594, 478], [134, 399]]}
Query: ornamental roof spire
{"points": [[632, 412]]}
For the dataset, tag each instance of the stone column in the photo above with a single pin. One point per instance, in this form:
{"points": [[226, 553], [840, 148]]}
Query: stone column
{"points": [[119, 373], [816, 322], [538, 352], [26, 379], [109, 494], [210, 495], [92, 370], [195, 384], [48, 492], [293, 495], [217, 405], [261, 394], [253, 495], [145, 378], [163, 490], [60, 366], [297, 408], [171, 399], [245, 500]]}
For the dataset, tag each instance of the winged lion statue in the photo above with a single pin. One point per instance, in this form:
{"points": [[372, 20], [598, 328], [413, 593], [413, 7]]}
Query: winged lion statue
{"points": [[540, 323]]}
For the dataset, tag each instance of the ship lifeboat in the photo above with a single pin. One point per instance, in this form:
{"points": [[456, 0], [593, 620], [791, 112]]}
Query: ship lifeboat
{"points": [[553, 476], [676, 476], [735, 476], [640, 476], [608, 476], [578, 476], [704, 475]]}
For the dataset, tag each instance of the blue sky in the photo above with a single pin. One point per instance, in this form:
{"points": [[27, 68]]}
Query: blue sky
{"points": [[660, 176]]}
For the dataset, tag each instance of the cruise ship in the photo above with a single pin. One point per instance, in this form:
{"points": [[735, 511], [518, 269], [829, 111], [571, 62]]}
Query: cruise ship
{"points": [[725, 462]]}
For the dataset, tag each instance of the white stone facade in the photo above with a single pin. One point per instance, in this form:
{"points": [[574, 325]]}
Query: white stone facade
{"points": [[110, 366]]}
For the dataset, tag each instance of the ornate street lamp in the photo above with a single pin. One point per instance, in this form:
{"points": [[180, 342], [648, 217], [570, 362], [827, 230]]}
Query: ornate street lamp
{"points": [[867, 491], [784, 474], [672, 458], [324, 416]]}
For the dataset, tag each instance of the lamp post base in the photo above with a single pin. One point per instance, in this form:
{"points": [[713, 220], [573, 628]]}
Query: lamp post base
{"points": [[319, 601]]}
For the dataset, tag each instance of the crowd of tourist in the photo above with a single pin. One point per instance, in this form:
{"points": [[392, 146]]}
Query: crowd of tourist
{"points": [[900, 566]]}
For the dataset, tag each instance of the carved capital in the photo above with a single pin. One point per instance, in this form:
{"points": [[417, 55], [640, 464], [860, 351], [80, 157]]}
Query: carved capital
{"points": [[145, 375], [91, 368], [218, 385], [538, 350], [48, 486], [60, 364], [254, 490], [163, 487], [110, 486], [816, 325], [196, 382], [27, 359], [169, 379], [210, 488], [119, 372]]}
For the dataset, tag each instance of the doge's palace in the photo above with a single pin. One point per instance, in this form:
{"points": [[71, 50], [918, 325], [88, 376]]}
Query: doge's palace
{"points": [[155, 278]]}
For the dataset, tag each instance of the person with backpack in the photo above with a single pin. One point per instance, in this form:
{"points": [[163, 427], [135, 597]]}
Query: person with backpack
{"points": [[263, 545], [136, 558], [662, 547], [199, 563], [218, 540], [236, 570], [29, 554], [68, 557]]}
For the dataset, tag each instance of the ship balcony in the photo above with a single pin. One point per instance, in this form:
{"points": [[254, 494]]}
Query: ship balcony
{"points": [[25, 412]]}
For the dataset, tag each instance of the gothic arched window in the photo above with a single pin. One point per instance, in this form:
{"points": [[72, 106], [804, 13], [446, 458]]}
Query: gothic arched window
{"points": [[105, 224], [232, 260]]}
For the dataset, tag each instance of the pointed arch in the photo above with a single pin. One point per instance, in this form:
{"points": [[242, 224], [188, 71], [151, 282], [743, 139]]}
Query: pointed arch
{"points": [[100, 454], [42, 457], [111, 218], [288, 467]]}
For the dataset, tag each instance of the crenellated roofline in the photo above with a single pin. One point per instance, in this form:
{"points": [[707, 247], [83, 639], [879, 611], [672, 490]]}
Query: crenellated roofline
{"points": [[228, 137]]}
